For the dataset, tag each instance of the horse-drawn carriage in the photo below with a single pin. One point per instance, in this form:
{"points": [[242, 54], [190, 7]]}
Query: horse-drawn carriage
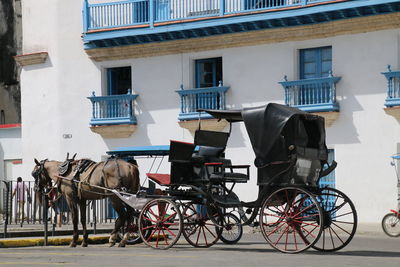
{"points": [[198, 199], [294, 213]]}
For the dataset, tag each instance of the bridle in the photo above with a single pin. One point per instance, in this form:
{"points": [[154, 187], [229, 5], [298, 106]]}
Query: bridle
{"points": [[40, 174]]}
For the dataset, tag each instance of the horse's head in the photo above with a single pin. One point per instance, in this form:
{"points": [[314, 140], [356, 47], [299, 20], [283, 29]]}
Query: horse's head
{"points": [[42, 178]]}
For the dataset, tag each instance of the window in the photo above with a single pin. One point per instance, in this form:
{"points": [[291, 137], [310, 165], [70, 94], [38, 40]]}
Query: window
{"points": [[208, 72], [315, 62], [119, 80]]}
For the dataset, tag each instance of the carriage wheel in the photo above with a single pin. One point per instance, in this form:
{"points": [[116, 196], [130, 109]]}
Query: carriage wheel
{"points": [[163, 220], [233, 229], [198, 229], [340, 220], [291, 219], [391, 224]]}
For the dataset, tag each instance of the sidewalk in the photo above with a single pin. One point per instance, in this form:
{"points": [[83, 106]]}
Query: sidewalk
{"points": [[33, 235]]}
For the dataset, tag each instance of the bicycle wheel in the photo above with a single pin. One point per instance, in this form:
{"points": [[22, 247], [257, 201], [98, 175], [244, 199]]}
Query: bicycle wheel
{"points": [[198, 229], [232, 230], [340, 220], [391, 224], [291, 219], [164, 221]]}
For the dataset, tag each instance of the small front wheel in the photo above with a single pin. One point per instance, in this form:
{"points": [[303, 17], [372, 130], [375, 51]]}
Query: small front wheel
{"points": [[163, 220], [291, 219], [391, 224], [232, 230]]}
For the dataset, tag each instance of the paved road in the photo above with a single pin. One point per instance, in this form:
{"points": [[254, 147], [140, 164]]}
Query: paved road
{"points": [[364, 250]]}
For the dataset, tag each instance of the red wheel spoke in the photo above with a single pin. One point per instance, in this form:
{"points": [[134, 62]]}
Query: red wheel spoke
{"points": [[204, 234], [276, 229], [169, 231], [166, 219], [165, 238], [148, 219], [198, 236], [151, 235], [209, 231], [310, 224], [294, 237], [151, 211], [284, 231], [158, 237]]}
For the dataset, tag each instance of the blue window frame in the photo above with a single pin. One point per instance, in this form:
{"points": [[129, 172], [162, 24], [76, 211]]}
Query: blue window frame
{"points": [[208, 72], [119, 80], [315, 62]]}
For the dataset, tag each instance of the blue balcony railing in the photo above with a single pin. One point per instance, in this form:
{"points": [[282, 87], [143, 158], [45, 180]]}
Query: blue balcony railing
{"points": [[201, 98], [113, 109], [133, 12], [393, 87], [312, 95]]}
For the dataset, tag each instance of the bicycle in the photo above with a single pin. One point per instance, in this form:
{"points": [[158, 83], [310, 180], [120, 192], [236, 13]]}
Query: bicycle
{"points": [[391, 221]]}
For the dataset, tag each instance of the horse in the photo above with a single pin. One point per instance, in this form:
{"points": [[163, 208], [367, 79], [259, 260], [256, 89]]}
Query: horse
{"points": [[81, 180]]}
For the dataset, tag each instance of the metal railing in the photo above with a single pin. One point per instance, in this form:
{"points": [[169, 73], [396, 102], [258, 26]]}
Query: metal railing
{"points": [[393, 87], [21, 205], [312, 95], [201, 98], [132, 12], [113, 109]]}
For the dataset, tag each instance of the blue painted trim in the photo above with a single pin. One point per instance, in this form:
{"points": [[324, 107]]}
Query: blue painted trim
{"points": [[157, 150], [392, 102], [320, 107], [194, 116], [221, 89], [113, 121], [237, 23]]}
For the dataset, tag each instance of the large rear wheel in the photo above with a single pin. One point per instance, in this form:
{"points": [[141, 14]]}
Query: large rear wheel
{"points": [[291, 219], [164, 221], [340, 220]]}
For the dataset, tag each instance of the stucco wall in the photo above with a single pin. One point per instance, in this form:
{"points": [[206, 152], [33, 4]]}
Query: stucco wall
{"points": [[54, 100]]}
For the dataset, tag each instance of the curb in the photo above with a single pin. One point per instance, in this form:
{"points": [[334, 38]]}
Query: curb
{"points": [[52, 241]]}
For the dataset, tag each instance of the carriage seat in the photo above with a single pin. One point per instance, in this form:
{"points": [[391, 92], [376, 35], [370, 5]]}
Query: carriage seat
{"points": [[226, 174], [159, 178]]}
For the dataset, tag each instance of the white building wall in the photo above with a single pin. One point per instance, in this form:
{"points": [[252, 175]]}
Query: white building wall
{"points": [[54, 99]]}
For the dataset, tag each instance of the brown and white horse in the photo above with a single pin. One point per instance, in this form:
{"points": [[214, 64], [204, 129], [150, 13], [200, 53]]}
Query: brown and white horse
{"points": [[84, 180]]}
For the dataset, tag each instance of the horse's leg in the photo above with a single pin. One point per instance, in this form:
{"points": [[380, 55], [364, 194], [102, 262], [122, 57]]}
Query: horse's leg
{"points": [[74, 213], [82, 207], [119, 208], [129, 216]]}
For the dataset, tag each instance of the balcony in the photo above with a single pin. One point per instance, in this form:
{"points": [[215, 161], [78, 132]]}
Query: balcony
{"points": [[201, 98], [138, 22], [113, 116], [393, 88], [312, 95]]}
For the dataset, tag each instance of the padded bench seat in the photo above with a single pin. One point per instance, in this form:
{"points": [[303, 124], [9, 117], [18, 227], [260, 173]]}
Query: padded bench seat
{"points": [[159, 178], [226, 176]]}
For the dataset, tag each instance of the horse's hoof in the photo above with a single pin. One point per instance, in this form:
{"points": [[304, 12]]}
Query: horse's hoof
{"points": [[112, 244], [84, 245], [121, 245], [72, 245]]}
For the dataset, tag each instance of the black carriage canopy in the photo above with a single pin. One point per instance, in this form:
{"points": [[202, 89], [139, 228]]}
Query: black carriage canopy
{"points": [[278, 131]]}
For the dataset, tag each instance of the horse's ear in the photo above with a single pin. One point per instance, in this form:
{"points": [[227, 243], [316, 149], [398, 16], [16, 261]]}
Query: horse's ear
{"points": [[67, 156], [73, 157], [37, 162]]}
